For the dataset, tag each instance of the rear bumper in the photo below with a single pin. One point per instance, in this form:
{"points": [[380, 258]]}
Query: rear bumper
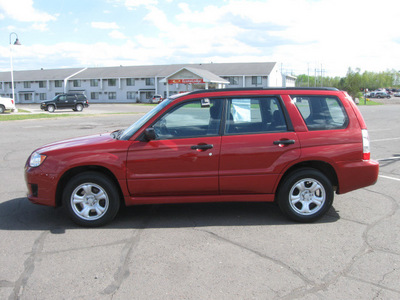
{"points": [[356, 175]]}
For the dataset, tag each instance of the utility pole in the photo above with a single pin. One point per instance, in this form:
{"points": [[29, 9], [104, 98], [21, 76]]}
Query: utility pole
{"points": [[321, 76]]}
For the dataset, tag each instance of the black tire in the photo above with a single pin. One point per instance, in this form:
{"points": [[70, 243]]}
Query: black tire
{"points": [[79, 107], [2, 109], [305, 195], [51, 108], [91, 199]]}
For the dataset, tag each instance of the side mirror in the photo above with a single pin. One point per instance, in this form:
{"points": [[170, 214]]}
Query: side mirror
{"points": [[150, 134]]}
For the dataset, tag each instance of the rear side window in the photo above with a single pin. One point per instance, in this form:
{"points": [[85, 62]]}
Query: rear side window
{"points": [[254, 115], [321, 112]]}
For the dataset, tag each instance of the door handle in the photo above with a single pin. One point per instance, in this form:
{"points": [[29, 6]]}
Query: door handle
{"points": [[202, 147], [284, 142]]}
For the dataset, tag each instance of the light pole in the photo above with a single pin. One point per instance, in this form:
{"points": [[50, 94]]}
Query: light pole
{"points": [[12, 71]]}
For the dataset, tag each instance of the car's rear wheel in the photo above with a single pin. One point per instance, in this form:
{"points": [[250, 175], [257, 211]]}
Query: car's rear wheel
{"points": [[2, 109], [79, 107], [305, 195], [51, 108], [91, 199]]}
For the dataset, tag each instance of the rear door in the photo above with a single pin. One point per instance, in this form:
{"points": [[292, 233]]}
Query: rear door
{"points": [[71, 101], [257, 144]]}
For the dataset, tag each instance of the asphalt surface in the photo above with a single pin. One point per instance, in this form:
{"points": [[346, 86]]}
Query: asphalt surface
{"points": [[198, 251]]}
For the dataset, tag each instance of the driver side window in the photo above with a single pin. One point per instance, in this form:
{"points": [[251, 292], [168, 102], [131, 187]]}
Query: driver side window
{"points": [[191, 119]]}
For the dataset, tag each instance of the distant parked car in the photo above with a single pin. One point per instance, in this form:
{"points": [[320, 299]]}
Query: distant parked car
{"points": [[72, 101], [396, 94], [157, 99], [6, 104], [382, 95]]}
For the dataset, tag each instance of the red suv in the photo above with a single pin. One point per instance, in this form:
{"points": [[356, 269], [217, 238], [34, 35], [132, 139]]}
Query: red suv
{"points": [[292, 146]]}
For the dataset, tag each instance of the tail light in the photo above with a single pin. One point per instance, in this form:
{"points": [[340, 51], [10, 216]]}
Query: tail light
{"points": [[12, 101], [366, 148]]}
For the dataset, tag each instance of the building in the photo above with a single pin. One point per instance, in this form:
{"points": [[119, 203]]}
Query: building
{"points": [[126, 84]]}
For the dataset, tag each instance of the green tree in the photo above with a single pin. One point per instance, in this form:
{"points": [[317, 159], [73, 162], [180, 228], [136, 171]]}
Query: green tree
{"points": [[354, 82]]}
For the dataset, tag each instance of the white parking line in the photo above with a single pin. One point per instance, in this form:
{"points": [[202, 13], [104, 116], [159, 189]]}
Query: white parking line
{"points": [[388, 177], [383, 140], [389, 158]]}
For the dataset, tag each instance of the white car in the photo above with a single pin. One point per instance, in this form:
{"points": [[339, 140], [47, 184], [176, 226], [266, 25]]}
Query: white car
{"points": [[6, 104]]}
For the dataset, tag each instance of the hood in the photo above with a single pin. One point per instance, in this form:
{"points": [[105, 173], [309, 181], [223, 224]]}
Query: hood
{"points": [[92, 141]]}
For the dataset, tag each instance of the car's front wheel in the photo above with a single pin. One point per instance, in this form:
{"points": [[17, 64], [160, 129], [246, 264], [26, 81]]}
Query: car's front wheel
{"points": [[51, 108], [305, 195], [2, 109], [91, 199]]}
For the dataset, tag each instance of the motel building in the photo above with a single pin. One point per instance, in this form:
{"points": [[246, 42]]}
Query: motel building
{"points": [[131, 84]]}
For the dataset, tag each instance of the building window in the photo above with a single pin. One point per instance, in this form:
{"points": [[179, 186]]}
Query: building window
{"points": [[233, 80], [130, 81], [94, 82], [42, 84], [76, 83], [149, 81], [130, 95], [112, 82], [1, 85], [27, 84], [58, 83], [28, 97], [42, 96], [112, 95], [256, 80], [94, 95]]}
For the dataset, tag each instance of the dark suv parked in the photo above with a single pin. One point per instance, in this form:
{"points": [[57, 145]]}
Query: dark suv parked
{"points": [[73, 101]]}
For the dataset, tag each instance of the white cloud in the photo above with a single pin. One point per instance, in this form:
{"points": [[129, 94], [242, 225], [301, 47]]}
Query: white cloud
{"points": [[116, 34], [104, 25], [40, 26], [299, 33], [23, 11], [133, 4], [337, 34]]}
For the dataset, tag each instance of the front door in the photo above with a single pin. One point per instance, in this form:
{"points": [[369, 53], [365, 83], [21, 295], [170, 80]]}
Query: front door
{"points": [[183, 160], [62, 101]]}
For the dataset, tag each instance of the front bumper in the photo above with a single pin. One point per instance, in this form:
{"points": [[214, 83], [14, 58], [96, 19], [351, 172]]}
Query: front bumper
{"points": [[41, 186]]}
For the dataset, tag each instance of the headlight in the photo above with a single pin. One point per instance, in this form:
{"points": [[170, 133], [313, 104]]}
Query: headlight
{"points": [[36, 159]]}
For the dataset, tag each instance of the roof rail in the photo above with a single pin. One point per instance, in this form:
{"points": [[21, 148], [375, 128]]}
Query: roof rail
{"points": [[267, 89]]}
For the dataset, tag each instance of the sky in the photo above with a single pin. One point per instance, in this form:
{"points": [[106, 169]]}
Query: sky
{"points": [[302, 36]]}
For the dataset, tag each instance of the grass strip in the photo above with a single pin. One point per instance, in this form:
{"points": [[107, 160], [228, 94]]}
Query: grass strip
{"points": [[18, 117]]}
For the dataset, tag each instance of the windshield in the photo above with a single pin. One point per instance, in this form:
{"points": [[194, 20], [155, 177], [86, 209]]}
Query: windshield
{"points": [[127, 133]]}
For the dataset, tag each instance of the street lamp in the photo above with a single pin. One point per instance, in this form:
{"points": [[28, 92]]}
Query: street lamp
{"points": [[12, 71]]}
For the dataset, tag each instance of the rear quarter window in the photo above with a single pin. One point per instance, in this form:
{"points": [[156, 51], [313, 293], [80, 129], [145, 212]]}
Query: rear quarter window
{"points": [[321, 112]]}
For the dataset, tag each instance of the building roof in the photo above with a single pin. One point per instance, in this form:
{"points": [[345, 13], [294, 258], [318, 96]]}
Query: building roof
{"points": [[205, 75], [39, 75], [219, 69]]}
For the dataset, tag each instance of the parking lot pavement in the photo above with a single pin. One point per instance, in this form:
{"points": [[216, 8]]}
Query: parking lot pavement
{"points": [[199, 251]]}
